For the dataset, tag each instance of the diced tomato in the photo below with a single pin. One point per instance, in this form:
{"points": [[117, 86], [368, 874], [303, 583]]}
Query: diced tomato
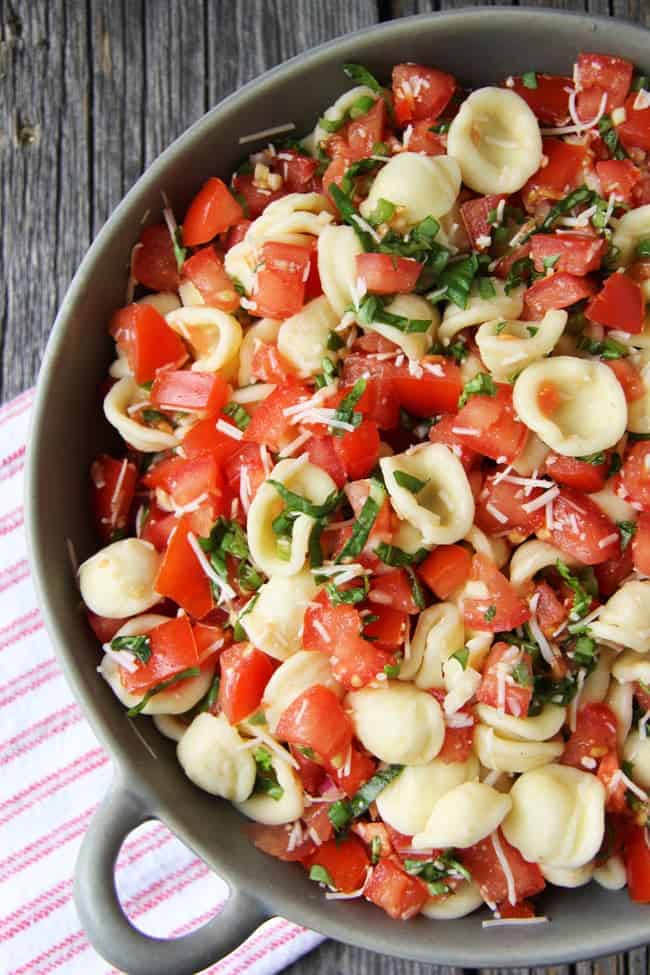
{"points": [[379, 401], [173, 649], [505, 263], [435, 390], [255, 198], [550, 610], [322, 452], [280, 291], [358, 450], [513, 698], [489, 425], [502, 507], [636, 474], [634, 133], [445, 569], [269, 365], [485, 867], [501, 609], [615, 789], [213, 210], [577, 253], [637, 864], [385, 274], [361, 767], [245, 672], [521, 909], [389, 630], [313, 286], [376, 833], [382, 529], [207, 273], [442, 432], [334, 174], [209, 639], [185, 389], [641, 544], [549, 99], [104, 627], [579, 474], [610, 75], [158, 526], [423, 140], [420, 92], [595, 735], [269, 424], [204, 438], [363, 133], [618, 176], [336, 631], [186, 479], [563, 172], [610, 575], [395, 891], [274, 840], [345, 860], [236, 234], [113, 486], [619, 304], [296, 169], [311, 773], [582, 529], [475, 217], [629, 377], [154, 262], [559, 290], [245, 472], [181, 576], [147, 340], [457, 745], [393, 589], [316, 720]]}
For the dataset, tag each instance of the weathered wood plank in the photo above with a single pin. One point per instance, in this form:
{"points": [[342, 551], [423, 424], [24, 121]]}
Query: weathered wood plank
{"points": [[333, 958]]}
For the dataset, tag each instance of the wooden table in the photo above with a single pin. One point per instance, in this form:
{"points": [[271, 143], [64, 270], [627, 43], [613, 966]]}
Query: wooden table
{"points": [[90, 92]]}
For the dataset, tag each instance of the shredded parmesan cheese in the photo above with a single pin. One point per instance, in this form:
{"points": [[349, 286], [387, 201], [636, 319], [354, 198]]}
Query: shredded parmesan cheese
{"points": [[265, 133]]}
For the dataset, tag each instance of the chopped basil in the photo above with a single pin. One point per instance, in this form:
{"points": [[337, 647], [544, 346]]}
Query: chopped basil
{"points": [[334, 342], [345, 412], [392, 671], [520, 273], [351, 596], [440, 127], [361, 106], [481, 385], [329, 374], [237, 413], [607, 349], [641, 81], [315, 550], [321, 876], [643, 247], [597, 458], [238, 630], [331, 125], [609, 135], [266, 780], [295, 503], [455, 282], [228, 538], [180, 252], [363, 525], [486, 289], [375, 849], [436, 873], [372, 310], [582, 195], [581, 597], [615, 464], [307, 752], [532, 330], [550, 262], [344, 811], [154, 416], [584, 650], [209, 699], [627, 530], [462, 656], [382, 212], [397, 557], [139, 646], [408, 481], [361, 76], [521, 674], [416, 588], [546, 690], [490, 613], [500, 327], [258, 718], [350, 216], [183, 675], [529, 79], [457, 350], [283, 546]]}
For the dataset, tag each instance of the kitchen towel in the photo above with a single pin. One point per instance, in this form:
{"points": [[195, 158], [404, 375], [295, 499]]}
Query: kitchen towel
{"points": [[53, 774]]}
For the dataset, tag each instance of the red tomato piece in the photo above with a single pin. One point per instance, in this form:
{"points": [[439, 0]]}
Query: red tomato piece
{"points": [[269, 365], [637, 864], [615, 788], [358, 768], [274, 840], [387, 632], [563, 173], [441, 432], [502, 507], [158, 526], [618, 176], [148, 341], [185, 389], [379, 401], [345, 860], [206, 271], [104, 627], [510, 696], [482, 862], [209, 639], [334, 174], [594, 737], [579, 474], [385, 274], [488, 424], [619, 304], [559, 290], [457, 745], [447, 568], [181, 576], [519, 910], [641, 544], [255, 198], [434, 389], [173, 649], [393, 589], [316, 720], [358, 450], [550, 611], [336, 631], [423, 140], [577, 253], [204, 438], [296, 169], [549, 100], [475, 218], [634, 133], [245, 471], [420, 92], [236, 233], [608, 74], [245, 672], [322, 452], [636, 474], [213, 210], [395, 891], [610, 575], [363, 134], [185, 480], [113, 486], [311, 773], [280, 290], [154, 262], [582, 529], [269, 424], [501, 609], [629, 377]]}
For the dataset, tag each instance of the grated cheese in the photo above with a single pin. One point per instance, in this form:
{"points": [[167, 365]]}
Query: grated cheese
{"points": [[604, 542], [545, 647], [224, 588], [505, 866], [542, 500], [295, 445], [498, 515], [253, 393], [514, 921], [229, 429], [264, 133], [573, 707], [123, 658], [578, 126]]}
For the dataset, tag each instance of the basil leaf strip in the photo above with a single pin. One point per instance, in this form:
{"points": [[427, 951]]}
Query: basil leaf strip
{"points": [[139, 646], [344, 811], [183, 675]]}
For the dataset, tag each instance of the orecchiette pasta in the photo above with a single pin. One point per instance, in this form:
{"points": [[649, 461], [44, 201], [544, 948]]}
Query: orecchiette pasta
{"points": [[420, 186], [625, 618], [463, 816], [414, 344], [304, 669], [462, 683], [336, 113], [124, 394], [275, 621], [170, 726], [532, 457], [614, 506], [119, 580], [611, 875], [460, 903], [620, 700], [543, 726], [575, 428], [505, 351], [478, 310], [502, 754], [163, 301], [439, 633], [337, 252], [213, 335], [397, 723], [406, 803], [496, 140], [211, 755], [302, 339], [443, 509], [596, 685], [636, 751], [530, 558], [568, 876], [633, 227], [290, 806], [629, 667], [639, 409]]}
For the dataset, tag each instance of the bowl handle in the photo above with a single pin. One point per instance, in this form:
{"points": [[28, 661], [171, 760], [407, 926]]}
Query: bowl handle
{"points": [[108, 928]]}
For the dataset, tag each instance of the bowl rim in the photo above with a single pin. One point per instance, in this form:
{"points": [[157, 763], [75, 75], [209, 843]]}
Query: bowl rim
{"points": [[512, 948]]}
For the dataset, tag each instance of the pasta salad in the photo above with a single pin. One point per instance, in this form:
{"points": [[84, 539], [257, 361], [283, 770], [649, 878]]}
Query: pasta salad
{"points": [[376, 553]]}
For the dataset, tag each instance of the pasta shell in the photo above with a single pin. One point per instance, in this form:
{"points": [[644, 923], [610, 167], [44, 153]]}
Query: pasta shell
{"points": [[274, 624], [119, 580], [397, 723], [337, 252], [302, 339], [211, 755], [501, 307], [290, 806], [420, 186], [299, 672], [464, 816], [213, 336], [119, 398], [407, 801], [506, 351]]}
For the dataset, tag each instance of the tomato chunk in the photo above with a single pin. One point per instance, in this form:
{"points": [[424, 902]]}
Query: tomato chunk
{"points": [[485, 867], [185, 389], [316, 720], [322, 452], [502, 506], [637, 864], [593, 738], [358, 450], [363, 133], [475, 218], [280, 291], [148, 341], [641, 544], [154, 262], [394, 589], [358, 768], [560, 290], [255, 198], [634, 133], [636, 474], [173, 649], [488, 424], [395, 891], [582, 529], [579, 474], [269, 365], [501, 608], [204, 438], [629, 377], [345, 860], [385, 274], [618, 176], [513, 695], [445, 569], [206, 271], [269, 424], [549, 99], [433, 388], [181, 576], [609, 75], [113, 486], [563, 172], [185, 480], [245, 672], [420, 92], [213, 210], [576, 253], [296, 169], [620, 305]]}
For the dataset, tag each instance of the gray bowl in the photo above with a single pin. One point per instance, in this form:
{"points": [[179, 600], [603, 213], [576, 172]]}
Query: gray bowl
{"points": [[480, 46]]}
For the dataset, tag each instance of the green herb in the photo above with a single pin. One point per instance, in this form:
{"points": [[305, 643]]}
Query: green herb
{"points": [[492, 217], [228, 538], [532, 330], [209, 699], [266, 780], [607, 349], [457, 280], [602, 215], [382, 212], [238, 630], [462, 656], [375, 850], [361, 106], [331, 125], [643, 247], [481, 385], [363, 525], [489, 614], [408, 481], [338, 596], [397, 557], [440, 128], [521, 674], [330, 372], [139, 646], [334, 342], [350, 216], [582, 195], [258, 718], [615, 464], [520, 273], [392, 671], [584, 651], [345, 412], [361, 76], [154, 416], [597, 458], [180, 253], [118, 534], [627, 768], [486, 289], [295, 503], [436, 873], [550, 262], [183, 675], [372, 310], [237, 413], [344, 811], [641, 81], [609, 136], [321, 876], [638, 436], [315, 550], [529, 79], [416, 589], [500, 327], [457, 350], [546, 690], [627, 530], [307, 752], [581, 597]]}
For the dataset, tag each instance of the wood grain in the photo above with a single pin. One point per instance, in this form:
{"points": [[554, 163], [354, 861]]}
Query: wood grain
{"points": [[90, 92]]}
